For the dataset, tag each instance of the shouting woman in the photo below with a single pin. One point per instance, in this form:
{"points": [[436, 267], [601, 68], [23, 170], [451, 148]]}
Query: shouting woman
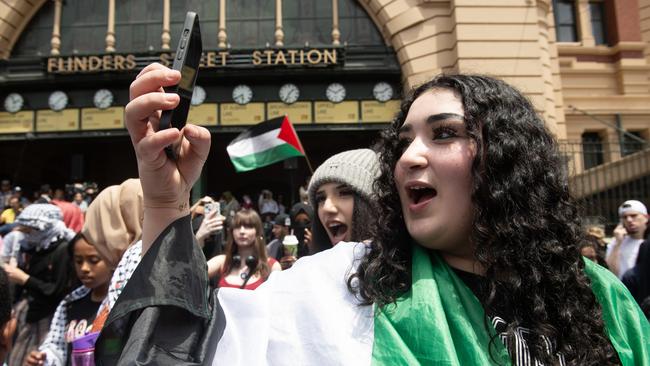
{"points": [[473, 259]]}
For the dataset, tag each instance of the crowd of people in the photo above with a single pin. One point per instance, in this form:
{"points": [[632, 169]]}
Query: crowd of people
{"points": [[453, 240]]}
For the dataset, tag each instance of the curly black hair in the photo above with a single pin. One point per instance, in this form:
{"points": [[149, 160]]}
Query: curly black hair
{"points": [[526, 229]]}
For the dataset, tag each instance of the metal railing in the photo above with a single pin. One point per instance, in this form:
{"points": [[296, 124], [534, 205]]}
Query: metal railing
{"points": [[602, 175]]}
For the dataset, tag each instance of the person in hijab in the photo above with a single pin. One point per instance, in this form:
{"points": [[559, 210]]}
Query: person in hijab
{"points": [[114, 227], [49, 277], [109, 245]]}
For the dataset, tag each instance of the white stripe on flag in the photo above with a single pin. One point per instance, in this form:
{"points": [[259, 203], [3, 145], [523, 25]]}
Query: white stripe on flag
{"points": [[255, 144]]}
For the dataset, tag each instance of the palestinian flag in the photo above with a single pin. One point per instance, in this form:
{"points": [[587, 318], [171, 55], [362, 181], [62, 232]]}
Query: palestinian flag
{"points": [[264, 144]]}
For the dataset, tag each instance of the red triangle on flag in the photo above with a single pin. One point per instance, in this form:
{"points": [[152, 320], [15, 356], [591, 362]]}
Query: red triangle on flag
{"points": [[288, 134]]}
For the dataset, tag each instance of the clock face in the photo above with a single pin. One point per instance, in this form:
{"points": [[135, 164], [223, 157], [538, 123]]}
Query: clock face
{"points": [[198, 95], [103, 98], [14, 102], [335, 92], [58, 100], [383, 92], [242, 94], [289, 93]]}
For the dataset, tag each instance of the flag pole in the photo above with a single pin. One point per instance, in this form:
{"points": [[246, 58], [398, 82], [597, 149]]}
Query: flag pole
{"points": [[311, 170]]}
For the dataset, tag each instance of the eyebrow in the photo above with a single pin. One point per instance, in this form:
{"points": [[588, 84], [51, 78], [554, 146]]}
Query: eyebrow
{"points": [[433, 119]]}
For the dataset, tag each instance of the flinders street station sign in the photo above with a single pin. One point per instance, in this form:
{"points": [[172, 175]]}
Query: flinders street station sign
{"points": [[302, 57]]}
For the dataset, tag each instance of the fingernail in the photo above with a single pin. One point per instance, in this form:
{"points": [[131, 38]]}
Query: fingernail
{"points": [[171, 75], [170, 97]]}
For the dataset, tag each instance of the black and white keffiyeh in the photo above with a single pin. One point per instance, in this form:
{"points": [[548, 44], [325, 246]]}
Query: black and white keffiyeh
{"points": [[46, 222], [54, 346]]}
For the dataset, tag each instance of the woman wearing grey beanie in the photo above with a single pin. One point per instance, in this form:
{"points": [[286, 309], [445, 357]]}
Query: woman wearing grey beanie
{"points": [[341, 192]]}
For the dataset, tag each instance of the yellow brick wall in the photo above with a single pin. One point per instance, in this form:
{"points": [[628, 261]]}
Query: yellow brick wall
{"points": [[644, 15]]}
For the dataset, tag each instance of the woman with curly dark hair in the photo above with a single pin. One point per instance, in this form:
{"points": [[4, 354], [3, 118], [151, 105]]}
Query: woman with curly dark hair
{"points": [[473, 259], [471, 175]]}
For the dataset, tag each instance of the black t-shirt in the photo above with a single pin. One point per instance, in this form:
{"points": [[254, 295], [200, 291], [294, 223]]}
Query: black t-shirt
{"points": [[51, 277], [479, 285], [81, 314]]}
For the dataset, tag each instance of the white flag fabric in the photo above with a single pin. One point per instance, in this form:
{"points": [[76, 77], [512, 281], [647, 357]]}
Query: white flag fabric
{"points": [[301, 316]]}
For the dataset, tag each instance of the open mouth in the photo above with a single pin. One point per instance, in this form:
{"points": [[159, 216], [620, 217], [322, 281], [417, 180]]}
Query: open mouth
{"points": [[337, 230], [418, 194]]}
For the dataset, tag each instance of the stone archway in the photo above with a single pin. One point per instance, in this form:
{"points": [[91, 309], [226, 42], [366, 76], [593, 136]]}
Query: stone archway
{"points": [[420, 32], [15, 15], [511, 39]]}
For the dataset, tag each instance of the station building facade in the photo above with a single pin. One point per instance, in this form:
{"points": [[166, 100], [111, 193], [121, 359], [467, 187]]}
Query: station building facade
{"points": [[65, 69]]}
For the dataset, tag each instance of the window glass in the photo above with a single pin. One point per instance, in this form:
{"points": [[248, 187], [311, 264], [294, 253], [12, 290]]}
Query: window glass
{"points": [[592, 149], [249, 24], [208, 12], [596, 9], [35, 39], [630, 144], [565, 20], [83, 26], [307, 22], [355, 26]]}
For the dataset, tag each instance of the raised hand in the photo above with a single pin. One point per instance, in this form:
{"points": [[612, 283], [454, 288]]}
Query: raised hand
{"points": [[166, 183]]}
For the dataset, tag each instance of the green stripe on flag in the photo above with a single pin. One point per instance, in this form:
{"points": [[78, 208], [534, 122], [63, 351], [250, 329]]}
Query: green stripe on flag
{"points": [[264, 158]]}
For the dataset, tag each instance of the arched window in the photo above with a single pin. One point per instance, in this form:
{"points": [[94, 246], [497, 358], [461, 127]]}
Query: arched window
{"points": [[249, 24]]}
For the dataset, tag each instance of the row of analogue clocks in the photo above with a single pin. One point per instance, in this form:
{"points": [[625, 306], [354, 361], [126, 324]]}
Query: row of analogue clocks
{"points": [[241, 94], [58, 100], [289, 93]]}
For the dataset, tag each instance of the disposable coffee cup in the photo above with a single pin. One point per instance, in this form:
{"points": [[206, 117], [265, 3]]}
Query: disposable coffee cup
{"points": [[290, 243]]}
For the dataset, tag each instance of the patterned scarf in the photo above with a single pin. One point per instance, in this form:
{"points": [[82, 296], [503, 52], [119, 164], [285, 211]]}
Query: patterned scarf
{"points": [[47, 226]]}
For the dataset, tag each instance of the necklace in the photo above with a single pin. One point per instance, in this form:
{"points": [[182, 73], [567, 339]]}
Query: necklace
{"points": [[243, 275]]}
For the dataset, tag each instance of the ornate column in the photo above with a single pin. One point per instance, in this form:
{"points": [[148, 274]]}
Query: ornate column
{"points": [[279, 33], [165, 37], [110, 32], [222, 37], [56, 29], [336, 34]]}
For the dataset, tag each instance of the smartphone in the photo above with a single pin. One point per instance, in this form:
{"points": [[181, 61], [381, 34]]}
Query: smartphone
{"points": [[209, 207], [186, 60]]}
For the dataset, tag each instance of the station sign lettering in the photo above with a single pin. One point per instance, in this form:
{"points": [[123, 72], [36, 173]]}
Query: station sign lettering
{"points": [[210, 59]]}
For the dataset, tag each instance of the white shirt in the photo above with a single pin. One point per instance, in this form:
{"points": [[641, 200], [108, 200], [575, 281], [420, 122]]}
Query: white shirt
{"points": [[628, 253]]}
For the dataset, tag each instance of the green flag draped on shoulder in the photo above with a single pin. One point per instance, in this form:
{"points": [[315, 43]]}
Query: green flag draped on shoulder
{"points": [[440, 321], [264, 144]]}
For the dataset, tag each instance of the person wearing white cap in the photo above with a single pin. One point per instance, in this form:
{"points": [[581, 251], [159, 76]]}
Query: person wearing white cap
{"points": [[628, 236]]}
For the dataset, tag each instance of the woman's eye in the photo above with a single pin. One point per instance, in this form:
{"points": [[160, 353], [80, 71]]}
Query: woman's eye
{"points": [[320, 198], [443, 133], [345, 192]]}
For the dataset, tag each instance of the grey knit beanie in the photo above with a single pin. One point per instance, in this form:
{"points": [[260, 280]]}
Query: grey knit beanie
{"points": [[355, 168]]}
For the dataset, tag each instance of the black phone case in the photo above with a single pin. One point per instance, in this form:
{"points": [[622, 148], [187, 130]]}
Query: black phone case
{"points": [[186, 60]]}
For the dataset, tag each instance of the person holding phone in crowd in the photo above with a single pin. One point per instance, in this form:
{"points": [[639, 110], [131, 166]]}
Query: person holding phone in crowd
{"points": [[473, 260], [207, 222], [245, 264], [623, 250]]}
